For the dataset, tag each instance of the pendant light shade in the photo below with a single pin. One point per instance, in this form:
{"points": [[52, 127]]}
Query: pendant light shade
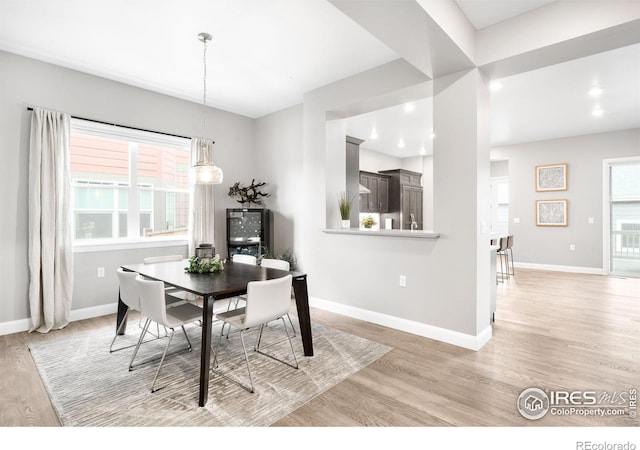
{"points": [[204, 171]]}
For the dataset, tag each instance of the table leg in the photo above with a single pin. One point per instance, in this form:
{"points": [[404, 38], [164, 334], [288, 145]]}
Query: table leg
{"points": [[205, 352], [122, 315], [302, 304]]}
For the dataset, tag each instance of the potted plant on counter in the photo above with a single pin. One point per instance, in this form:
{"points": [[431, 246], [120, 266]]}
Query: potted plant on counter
{"points": [[344, 204], [368, 222]]}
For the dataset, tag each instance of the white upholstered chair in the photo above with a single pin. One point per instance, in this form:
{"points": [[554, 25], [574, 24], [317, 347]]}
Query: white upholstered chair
{"points": [[129, 296], [267, 300], [153, 306], [279, 264]]}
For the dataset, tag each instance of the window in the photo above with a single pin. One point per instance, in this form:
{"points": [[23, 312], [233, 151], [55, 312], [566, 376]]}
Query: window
{"points": [[128, 184]]}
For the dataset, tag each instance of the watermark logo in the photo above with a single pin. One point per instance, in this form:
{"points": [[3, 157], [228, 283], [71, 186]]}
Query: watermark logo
{"points": [[533, 403]]}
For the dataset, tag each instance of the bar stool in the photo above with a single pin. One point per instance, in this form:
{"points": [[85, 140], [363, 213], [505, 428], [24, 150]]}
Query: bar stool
{"points": [[502, 254], [509, 252]]}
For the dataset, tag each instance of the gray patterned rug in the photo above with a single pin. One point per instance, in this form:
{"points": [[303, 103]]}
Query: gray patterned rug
{"points": [[89, 386]]}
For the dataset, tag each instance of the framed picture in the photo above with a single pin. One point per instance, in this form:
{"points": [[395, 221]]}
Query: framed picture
{"points": [[551, 213], [551, 177]]}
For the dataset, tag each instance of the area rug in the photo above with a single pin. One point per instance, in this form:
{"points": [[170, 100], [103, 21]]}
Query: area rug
{"points": [[89, 386]]}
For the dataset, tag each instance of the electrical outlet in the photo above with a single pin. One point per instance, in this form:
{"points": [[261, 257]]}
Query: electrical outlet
{"points": [[591, 220], [516, 220], [572, 247], [403, 281], [100, 272]]}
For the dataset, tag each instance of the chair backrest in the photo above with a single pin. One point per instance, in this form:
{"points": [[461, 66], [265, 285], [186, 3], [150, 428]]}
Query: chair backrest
{"points": [[152, 300], [510, 241], [503, 244], [275, 263], [128, 289], [244, 259], [267, 300], [158, 259]]}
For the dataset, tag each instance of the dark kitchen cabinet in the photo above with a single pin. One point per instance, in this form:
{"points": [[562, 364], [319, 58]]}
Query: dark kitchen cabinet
{"points": [[377, 200], [405, 197]]}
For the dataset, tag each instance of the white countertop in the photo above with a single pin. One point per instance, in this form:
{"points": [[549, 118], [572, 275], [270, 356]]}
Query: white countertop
{"points": [[415, 234]]}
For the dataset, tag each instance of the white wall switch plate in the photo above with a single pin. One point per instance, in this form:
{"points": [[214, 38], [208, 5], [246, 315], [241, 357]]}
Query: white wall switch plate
{"points": [[403, 281], [516, 220]]}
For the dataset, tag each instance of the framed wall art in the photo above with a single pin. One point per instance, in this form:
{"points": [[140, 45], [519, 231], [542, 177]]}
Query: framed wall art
{"points": [[551, 213], [551, 177]]}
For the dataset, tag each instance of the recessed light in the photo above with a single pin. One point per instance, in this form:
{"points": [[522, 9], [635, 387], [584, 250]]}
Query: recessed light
{"points": [[401, 143], [408, 107], [597, 112], [595, 91], [374, 134], [495, 86]]}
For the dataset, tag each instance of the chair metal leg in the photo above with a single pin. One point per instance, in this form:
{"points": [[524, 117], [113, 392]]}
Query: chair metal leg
{"points": [[246, 359], [513, 272], [215, 350], [135, 352], [292, 327], [124, 320], [294, 366], [228, 377], [162, 360], [187, 336]]}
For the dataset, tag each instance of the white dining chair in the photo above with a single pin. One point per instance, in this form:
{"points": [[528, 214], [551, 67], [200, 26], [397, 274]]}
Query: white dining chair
{"points": [[279, 264], [128, 292], [153, 305], [244, 259], [267, 300]]}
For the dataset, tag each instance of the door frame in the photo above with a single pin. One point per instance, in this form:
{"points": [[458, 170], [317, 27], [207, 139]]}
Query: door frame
{"points": [[606, 209]]}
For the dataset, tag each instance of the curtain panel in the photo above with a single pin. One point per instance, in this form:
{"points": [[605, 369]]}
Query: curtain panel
{"points": [[201, 207], [50, 238]]}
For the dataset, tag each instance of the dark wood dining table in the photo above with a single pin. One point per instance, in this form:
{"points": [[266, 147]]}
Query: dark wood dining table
{"points": [[230, 282]]}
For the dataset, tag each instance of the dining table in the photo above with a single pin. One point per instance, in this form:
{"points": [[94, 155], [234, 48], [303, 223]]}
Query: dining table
{"points": [[230, 282]]}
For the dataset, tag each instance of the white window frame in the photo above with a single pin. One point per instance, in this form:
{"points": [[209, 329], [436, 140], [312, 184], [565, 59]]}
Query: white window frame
{"points": [[133, 239]]}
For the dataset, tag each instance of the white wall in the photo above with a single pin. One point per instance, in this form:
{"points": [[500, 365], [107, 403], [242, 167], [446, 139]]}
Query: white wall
{"points": [[25, 82], [584, 156], [278, 140], [372, 161], [360, 273]]}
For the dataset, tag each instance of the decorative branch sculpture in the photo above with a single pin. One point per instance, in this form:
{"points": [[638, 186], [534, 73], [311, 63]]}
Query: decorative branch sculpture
{"points": [[248, 194]]}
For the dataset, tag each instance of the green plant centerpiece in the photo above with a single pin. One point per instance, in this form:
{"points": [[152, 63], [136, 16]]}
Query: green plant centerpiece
{"points": [[204, 265], [368, 222]]}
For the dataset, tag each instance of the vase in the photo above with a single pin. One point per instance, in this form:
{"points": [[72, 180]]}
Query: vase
{"points": [[346, 224]]}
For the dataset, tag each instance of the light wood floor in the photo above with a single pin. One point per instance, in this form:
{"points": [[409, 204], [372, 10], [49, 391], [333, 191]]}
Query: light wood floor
{"points": [[553, 331]]}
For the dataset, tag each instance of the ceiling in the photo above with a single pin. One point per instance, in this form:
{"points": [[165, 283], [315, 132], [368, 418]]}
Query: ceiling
{"points": [[266, 54]]}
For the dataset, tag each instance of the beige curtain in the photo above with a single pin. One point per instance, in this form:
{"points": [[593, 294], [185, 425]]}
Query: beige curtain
{"points": [[50, 239], [201, 208]]}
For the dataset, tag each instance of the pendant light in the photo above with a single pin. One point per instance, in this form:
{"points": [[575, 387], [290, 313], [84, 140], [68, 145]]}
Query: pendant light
{"points": [[204, 171]]}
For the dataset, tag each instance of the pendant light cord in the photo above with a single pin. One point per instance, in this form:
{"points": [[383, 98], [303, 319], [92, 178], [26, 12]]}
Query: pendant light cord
{"points": [[204, 83]]}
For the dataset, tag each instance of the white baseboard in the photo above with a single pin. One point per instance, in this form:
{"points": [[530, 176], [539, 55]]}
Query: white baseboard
{"points": [[18, 326], [421, 329], [555, 268]]}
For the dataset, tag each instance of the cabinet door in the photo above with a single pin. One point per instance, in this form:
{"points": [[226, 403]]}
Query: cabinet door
{"points": [[416, 206], [383, 194], [374, 201], [411, 204], [364, 198]]}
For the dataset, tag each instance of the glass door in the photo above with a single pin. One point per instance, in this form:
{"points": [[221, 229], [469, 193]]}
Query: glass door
{"points": [[624, 218]]}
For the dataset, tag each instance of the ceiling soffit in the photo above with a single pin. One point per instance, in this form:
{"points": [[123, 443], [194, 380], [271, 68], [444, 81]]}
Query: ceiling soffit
{"points": [[411, 32]]}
